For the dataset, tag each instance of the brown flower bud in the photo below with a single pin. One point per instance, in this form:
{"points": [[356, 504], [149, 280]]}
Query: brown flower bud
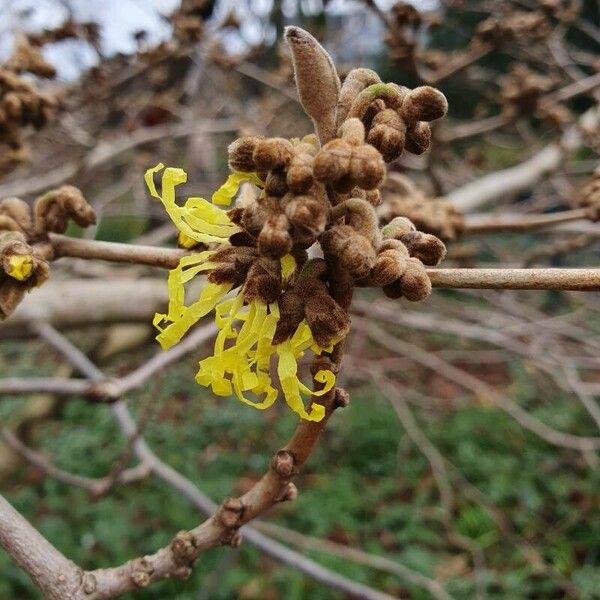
{"points": [[307, 215], [275, 184], [53, 210], [387, 134], [291, 310], [356, 81], [415, 282], [327, 320], [345, 166], [300, 171], [418, 138], [11, 294], [272, 153], [354, 251], [263, 281], [241, 153], [389, 267], [429, 249], [19, 213], [397, 228], [274, 239], [424, 104]]}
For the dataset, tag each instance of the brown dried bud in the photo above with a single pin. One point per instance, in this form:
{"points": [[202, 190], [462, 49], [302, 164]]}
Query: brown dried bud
{"points": [[418, 138], [307, 215], [241, 153], [354, 251], [387, 134], [291, 310], [356, 81], [263, 281], [276, 184], [397, 228], [53, 210], [300, 171], [414, 285], [11, 294], [327, 320], [429, 249], [389, 267], [19, 213], [272, 153], [345, 166], [274, 239], [424, 103]]}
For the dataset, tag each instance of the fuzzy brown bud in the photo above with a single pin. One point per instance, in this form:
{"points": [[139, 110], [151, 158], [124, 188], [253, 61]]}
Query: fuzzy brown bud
{"points": [[18, 212], [272, 153], [291, 310], [300, 171], [429, 249], [388, 134], [424, 103], [274, 239], [354, 251], [276, 184], [327, 320], [307, 215], [263, 281], [54, 209], [418, 138], [241, 154]]}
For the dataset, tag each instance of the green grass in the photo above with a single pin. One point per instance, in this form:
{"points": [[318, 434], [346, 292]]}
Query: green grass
{"points": [[366, 482]]}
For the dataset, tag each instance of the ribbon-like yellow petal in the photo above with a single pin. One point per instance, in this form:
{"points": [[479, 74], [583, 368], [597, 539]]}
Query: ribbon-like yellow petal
{"points": [[225, 194]]}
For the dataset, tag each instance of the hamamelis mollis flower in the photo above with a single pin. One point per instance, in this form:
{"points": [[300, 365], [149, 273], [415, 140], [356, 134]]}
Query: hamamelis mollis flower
{"points": [[271, 303], [241, 360]]}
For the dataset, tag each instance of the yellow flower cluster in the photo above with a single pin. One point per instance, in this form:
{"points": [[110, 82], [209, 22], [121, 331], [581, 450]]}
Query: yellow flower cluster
{"points": [[244, 344]]}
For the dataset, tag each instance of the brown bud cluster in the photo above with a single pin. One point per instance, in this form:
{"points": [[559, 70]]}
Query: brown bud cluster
{"points": [[24, 244], [323, 189], [517, 25], [431, 215], [522, 92], [309, 298], [395, 117], [292, 211], [22, 103], [33, 270]]}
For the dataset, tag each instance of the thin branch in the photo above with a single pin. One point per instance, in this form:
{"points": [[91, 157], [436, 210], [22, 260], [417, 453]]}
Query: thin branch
{"points": [[583, 280], [491, 223], [95, 486], [481, 390], [381, 563]]}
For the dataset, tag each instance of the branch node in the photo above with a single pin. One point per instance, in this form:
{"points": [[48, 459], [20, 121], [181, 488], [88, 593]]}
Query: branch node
{"points": [[290, 493], [342, 398], [230, 513], [89, 583], [284, 464], [141, 571], [183, 547]]}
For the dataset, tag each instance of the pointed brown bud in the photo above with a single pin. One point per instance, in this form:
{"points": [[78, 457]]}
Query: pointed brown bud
{"points": [[327, 320], [241, 153]]}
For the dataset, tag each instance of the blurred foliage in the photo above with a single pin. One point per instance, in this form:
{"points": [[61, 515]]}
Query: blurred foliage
{"points": [[366, 485]]}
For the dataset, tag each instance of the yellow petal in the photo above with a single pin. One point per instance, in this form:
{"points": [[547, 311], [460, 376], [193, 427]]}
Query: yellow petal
{"points": [[225, 194], [20, 266]]}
